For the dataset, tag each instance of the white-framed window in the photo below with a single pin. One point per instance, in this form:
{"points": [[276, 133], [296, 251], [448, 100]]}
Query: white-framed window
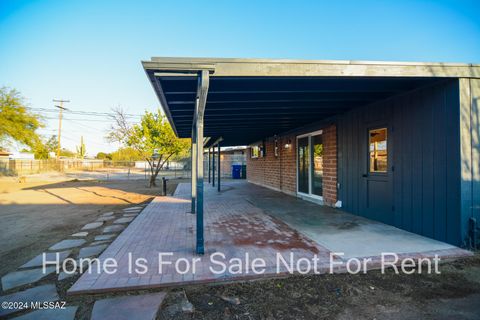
{"points": [[254, 152]]}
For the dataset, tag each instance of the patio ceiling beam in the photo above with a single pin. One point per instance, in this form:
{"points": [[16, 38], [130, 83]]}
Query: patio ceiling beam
{"points": [[272, 109], [249, 120], [265, 115], [339, 90], [217, 141], [340, 99]]}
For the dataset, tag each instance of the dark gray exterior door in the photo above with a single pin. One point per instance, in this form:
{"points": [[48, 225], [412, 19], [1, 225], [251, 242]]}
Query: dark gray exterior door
{"points": [[377, 196]]}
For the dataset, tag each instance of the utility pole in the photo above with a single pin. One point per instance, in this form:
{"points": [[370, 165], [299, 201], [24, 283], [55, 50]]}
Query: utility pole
{"points": [[61, 108]]}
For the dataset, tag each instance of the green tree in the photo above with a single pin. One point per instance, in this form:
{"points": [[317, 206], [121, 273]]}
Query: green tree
{"points": [[104, 156], [153, 138], [40, 151], [81, 151], [67, 153], [126, 154], [16, 122], [52, 144]]}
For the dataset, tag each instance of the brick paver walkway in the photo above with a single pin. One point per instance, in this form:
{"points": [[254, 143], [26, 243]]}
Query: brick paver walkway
{"points": [[233, 226]]}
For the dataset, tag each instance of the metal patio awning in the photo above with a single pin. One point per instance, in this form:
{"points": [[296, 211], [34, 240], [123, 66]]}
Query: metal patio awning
{"points": [[249, 99], [242, 101]]}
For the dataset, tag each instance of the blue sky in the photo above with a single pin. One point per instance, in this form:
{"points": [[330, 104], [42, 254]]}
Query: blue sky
{"points": [[90, 51]]}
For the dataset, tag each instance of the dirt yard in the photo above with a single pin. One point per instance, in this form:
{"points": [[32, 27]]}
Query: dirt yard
{"points": [[37, 214], [42, 211], [454, 294]]}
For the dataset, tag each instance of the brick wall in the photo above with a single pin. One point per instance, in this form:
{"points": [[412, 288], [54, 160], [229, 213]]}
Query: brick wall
{"points": [[330, 165], [279, 173]]}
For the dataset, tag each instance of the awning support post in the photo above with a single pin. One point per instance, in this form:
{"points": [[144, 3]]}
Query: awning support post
{"points": [[201, 101], [219, 167], [194, 169], [213, 166], [209, 165]]}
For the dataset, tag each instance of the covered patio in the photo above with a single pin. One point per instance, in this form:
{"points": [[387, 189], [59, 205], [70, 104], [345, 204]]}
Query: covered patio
{"points": [[247, 219]]}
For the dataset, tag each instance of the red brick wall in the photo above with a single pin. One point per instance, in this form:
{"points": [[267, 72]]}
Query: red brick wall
{"points": [[279, 173], [330, 165]]}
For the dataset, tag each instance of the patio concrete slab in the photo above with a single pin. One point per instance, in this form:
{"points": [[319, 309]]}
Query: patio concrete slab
{"points": [[43, 293], [91, 251], [340, 231], [142, 307], [107, 214], [68, 313], [19, 278], [247, 219], [67, 244], [49, 256]]}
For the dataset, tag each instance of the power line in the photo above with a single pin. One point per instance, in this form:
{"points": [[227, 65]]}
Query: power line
{"points": [[88, 113]]}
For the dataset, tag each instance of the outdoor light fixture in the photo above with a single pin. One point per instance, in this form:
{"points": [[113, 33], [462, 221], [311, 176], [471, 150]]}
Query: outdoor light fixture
{"points": [[288, 144]]}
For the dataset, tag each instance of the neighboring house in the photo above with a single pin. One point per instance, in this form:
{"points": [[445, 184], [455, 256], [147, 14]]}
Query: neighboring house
{"points": [[22, 156], [390, 141], [4, 155]]}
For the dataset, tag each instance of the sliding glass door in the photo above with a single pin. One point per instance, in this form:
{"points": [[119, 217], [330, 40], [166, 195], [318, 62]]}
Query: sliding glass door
{"points": [[310, 164], [303, 164]]}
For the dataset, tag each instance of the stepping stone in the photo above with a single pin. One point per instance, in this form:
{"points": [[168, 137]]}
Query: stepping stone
{"points": [[91, 251], [114, 228], [179, 308], [49, 256], [103, 219], [105, 237], [43, 293], [107, 214], [19, 278], [63, 275], [67, 244], [48, 314], [95, 243], [93, 225], [124, 220], [80, 234], [133, 209], [130, 214], [143, 307]]}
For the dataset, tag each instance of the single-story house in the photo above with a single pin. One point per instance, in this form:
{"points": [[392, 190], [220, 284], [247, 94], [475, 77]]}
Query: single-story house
{"points": [[397, 142]]}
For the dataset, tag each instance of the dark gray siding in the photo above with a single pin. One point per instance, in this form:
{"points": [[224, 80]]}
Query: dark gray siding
{"points": [[424, 140], [470, 151]]}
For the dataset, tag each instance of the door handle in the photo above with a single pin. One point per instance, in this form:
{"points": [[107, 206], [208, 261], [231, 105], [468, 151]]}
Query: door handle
{"points": [[364, 175]]}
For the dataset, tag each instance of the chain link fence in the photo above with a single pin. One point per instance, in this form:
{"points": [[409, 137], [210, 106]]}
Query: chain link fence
{"points": [[113, 170]]}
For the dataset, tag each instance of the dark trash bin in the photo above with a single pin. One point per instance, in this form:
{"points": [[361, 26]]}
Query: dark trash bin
{"points": [[244, 171], [236, 171]]}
